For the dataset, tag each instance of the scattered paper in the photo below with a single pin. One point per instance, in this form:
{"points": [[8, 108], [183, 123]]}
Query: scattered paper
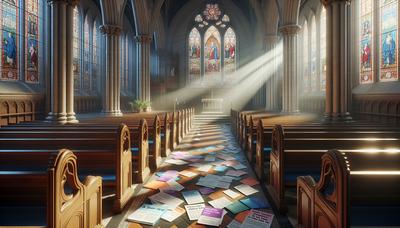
{"points": [[188, 173], [176, 162], [250, 181], [171, 215], [245, 189], [172, 186], [211, 216], [192, 197], [236, 207], [231, 193], [171, 202], [258, 219], [194, 211], [235, 173], [147, 214], [234, 224], [220, 202]]}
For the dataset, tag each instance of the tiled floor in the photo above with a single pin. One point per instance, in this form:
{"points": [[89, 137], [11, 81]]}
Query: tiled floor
{"points": [[204, 139]]}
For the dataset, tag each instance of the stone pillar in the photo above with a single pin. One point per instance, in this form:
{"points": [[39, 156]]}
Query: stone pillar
{"points": [[143, 66], [337, 77], [69, 63], [58, 56], [290, 100], [111, 99], [271, 42]]}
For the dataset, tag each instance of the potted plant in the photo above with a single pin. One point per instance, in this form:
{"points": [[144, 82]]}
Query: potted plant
{"points": [[146, 106], [136, 106]]}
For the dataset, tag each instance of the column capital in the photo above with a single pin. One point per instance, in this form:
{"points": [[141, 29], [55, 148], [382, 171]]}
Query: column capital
{"points": [[329, 2], [144, 38], [110, 30], [291, 29]]}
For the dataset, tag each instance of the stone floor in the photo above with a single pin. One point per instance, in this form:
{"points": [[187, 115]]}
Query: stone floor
{"points": [[204, 139]]}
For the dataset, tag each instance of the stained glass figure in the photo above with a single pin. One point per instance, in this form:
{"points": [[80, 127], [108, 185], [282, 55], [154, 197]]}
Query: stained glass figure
{"points": [[31, 41], [212, 50], [9, 41], [194, 55], [229, 52], [366, 41], [389, 39]]}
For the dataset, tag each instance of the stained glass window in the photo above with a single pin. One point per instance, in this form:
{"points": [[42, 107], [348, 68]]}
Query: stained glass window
{"points": [[313, 63], [229, 51], [212, 12], [306, 72], [31, 41], [388, 40], [323, 50], [76, 51], [366, 41], [86, 56], [9, 40], [212, 50], [95, 65], [194, 55]]}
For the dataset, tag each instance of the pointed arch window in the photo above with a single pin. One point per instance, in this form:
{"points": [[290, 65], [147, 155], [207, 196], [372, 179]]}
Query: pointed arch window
{"points": [[9, 40], [323, 50], [194, 54], [95, 65], [229, 51], [388, 40], [313, 62], [212, 46], [212, 50], [31, 41], [86, 56], [306, 71], [76, 50]]}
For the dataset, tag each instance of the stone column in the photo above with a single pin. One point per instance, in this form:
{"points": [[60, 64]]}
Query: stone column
{"points": [[290, 100], [69, 63], [58, 56], [143, 58], [111, 99], [337, 77], [271, 42]]}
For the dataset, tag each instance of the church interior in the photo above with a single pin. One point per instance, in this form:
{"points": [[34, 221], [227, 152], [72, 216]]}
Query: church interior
{"points": [[200, 113]]}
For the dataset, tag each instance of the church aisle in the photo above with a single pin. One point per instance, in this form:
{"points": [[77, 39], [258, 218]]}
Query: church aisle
{"points": [[209, 157]]}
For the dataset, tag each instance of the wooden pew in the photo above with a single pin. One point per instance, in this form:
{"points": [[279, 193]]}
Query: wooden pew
{"points": [[234, 121], [174, 130], [101, 150], [264, 136], [299, 154], [37, 197], [133, 122], [355, 189]]}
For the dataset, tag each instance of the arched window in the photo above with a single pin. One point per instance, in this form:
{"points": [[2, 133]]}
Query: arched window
{"points": [[212, 45], [229, 51], [313, 63], [388, 40], [323, 50], [9, 40], [95, 65], [194, 55], [86, 56], [212, 50], [306, 71], [366, 41], [77, 50], [31, 41]]}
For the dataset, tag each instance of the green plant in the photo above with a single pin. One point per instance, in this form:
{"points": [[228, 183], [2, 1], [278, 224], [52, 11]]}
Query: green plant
{"points": [[139, 105]]}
